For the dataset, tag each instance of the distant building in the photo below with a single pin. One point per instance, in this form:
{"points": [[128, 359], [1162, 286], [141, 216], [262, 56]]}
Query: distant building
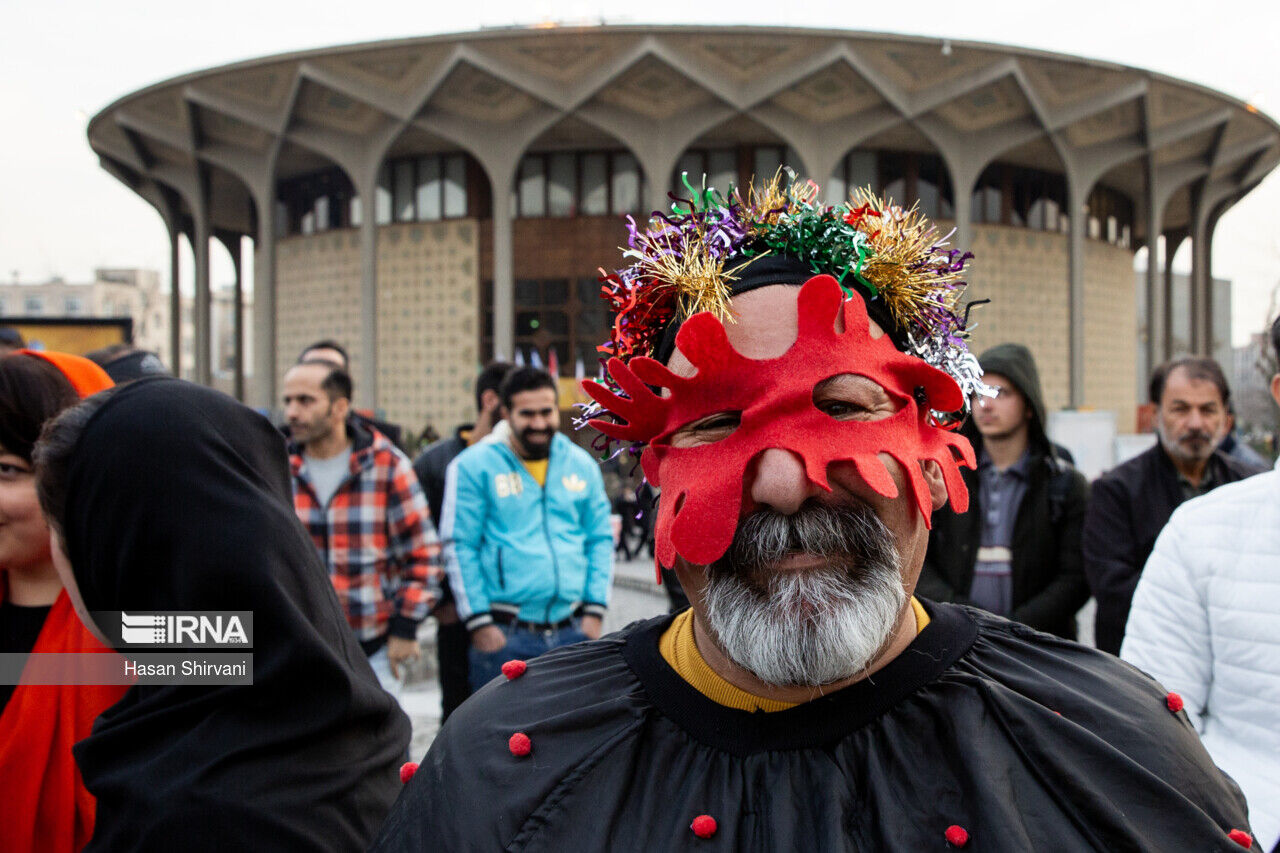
{"points": [[1177, 323], [136, 294], [433, 202], [1251, 369], [113, 293]]}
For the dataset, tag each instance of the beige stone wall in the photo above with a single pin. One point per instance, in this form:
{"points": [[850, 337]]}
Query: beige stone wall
{"points": [[1110, 332], [1024, 274], [317, 295], [428, 293]]}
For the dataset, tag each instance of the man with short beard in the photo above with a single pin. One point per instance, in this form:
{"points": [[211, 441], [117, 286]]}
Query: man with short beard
{"points": [[529, 544], [786, 368], [1131, 503], [358, 498]]}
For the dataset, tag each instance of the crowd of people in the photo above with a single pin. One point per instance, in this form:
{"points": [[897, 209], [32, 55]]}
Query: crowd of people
{"points": [[876, 557]]}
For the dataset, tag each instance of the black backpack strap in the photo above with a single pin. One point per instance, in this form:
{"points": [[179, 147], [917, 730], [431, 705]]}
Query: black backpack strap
{"points": [[1060, 481]]}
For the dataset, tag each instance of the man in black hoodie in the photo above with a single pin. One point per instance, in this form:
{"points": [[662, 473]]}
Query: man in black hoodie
{"points": [[1016, 552]]}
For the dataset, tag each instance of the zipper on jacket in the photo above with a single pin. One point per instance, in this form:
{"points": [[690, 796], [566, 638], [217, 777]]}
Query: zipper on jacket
{"points": [[502, 577], [546, 532]]}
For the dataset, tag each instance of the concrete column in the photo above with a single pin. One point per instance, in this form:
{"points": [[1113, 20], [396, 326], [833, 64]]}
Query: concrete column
{"points": [[175, 300], [504, 290], [1172, 240], [1077, 193], [1200, 274], [962, 189], [234, 248], [264, 307], [201, 309], [1157, 297], [367, 381], [1211, 225]]}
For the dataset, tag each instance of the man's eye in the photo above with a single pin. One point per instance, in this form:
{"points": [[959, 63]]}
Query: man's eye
{"points": [[709, 430], [842, 410], [725, 420]]}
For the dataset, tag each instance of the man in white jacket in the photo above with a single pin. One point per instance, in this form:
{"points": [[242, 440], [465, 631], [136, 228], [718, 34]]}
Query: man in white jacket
{"points": [[1206, 624]]}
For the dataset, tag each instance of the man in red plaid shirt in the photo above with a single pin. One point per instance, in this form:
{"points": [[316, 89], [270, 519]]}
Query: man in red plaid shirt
{"points": [[357, 495]]}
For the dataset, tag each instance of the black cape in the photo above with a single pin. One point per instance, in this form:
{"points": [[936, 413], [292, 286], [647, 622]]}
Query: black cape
{"points": [[179, 499], [1025, 741]]}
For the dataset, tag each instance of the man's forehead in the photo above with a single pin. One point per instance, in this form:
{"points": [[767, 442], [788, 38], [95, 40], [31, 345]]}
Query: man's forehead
{"points": [[535, 400], [764, 325], [1183, 387], [305, 376], [326, 354]]}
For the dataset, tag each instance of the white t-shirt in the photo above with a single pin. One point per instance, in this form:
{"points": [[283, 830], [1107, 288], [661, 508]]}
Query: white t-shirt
{"points": [[327, 474]]}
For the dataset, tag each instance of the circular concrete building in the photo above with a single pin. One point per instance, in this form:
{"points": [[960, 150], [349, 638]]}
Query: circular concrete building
{"points": [[432, 201]]}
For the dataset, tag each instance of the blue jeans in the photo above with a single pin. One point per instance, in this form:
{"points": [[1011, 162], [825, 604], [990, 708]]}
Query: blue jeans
{"points": [[522, 644]]}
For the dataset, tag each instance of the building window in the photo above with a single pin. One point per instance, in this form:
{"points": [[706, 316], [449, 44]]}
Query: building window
{"points": [[563, 315], [903, 177], [565, 184], [72, 306], [410, 189], [33, 305], [423, 189], [316, 202], [403, 190], [429, 193]]}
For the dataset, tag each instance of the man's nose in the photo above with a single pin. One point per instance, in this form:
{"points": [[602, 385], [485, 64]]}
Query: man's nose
{"points": [[780, 481]]}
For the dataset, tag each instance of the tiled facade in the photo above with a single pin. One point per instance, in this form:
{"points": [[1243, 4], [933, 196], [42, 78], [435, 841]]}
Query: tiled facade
{"points": [[1110, 333], [427, 316], [1024, 274], [317, 295]]}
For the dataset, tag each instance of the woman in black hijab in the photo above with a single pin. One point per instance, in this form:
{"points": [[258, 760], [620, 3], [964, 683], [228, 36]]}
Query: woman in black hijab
{"points": [[170, 496]]}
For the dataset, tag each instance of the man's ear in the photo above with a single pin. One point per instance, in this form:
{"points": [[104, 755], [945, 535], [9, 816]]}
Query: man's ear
{"points": [[937, 485], [1275, 388], [341, 407]]}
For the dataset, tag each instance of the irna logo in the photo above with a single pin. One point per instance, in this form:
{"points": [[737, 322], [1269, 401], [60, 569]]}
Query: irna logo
{"points": [[183, 629]]}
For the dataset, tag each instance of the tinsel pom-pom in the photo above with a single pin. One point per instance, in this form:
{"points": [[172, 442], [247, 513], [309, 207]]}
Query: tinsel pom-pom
{"points": [[957, 836], [703, 826], [1239, 836], [1174, 702], [407, 770], [520, 745], [513, 669]]}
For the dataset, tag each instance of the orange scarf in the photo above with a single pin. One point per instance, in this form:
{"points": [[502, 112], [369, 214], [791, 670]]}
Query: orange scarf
{"points": [[46, 806]]}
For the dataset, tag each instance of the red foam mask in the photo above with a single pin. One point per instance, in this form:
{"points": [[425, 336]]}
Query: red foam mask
{"points": [[703, 489]]}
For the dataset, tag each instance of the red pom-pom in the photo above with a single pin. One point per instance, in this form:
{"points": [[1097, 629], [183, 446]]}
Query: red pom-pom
{"points": [[1239, 836], [513, 669], [1174, 702], [520, 745], [407, 770], [703, 826], [957, 836]]}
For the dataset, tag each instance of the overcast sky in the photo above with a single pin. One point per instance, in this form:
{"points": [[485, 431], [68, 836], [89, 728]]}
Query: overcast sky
{"points": [[64, 60]]}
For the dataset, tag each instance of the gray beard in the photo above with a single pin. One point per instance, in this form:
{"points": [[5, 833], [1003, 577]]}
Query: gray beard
{"points": [[806, 627]]}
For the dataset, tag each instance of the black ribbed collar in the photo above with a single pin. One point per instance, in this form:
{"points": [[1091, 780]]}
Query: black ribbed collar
{"points": [[815, 724]]}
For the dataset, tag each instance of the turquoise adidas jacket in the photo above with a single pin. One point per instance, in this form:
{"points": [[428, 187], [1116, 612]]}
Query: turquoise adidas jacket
{"points": [[535, 552]]}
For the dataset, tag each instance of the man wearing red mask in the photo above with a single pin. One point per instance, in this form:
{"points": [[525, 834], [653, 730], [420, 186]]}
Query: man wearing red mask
{"points": [[790, 372]]}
